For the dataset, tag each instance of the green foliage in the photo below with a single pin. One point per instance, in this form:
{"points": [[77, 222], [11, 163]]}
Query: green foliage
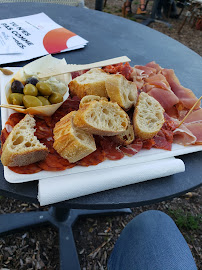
{"points": [[185, 220]]}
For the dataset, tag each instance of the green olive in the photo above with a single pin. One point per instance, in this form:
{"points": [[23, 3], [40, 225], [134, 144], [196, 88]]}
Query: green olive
{"points": [[30, 90], [55, 98], [31, 101], [15, 99], [44, 89], [44, 101]]}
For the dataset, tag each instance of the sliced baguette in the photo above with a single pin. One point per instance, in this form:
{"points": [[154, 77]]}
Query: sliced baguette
{"points": [[126, 137], [148, 117], [122, 91], [70, 142], [89, 83], [22, 147], [90, 98], [102, 118]]}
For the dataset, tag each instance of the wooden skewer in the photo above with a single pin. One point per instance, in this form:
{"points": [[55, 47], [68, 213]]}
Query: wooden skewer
{"points": [[11, 106], [6, 71], [190, 111], [72, 68]]}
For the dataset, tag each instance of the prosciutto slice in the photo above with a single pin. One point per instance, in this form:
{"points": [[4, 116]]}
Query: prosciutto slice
{"points": [[145, 71], [158, 87], [196, 130], [185, 95], [195, 116], [183, 136], [192, 125], [154, 65]]}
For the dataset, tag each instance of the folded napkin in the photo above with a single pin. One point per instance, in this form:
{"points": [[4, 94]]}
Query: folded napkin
{"points": [[52, 190]]}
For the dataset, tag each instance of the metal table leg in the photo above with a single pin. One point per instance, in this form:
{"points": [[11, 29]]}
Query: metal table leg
{"points": [[63, 219]]}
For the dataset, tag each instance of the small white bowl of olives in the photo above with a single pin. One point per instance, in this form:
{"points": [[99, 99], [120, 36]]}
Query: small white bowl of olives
{"points": [[37, 97]]}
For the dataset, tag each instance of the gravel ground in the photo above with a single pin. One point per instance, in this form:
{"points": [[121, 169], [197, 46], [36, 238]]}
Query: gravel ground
{"points": [[37, 248]]}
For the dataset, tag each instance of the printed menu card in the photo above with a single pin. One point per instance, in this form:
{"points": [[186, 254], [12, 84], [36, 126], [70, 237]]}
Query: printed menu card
{"points": [[32, 36]]}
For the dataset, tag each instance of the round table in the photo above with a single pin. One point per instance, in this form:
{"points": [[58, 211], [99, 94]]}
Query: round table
{"points": [[110, 36]]}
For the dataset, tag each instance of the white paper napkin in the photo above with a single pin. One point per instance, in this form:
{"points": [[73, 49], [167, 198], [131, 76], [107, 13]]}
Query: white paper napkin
{"points": [[53, 190]]}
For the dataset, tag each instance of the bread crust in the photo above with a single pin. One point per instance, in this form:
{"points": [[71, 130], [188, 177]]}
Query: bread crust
{"points": [[89, 83], [71, 143], [90, 98], [126, 137], [101, 118], [148, 117], [122, 91], [12, 155]]}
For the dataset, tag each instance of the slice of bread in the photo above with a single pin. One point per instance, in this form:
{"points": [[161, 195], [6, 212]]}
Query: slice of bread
{"points": [[89, 83], [102, 118], [22, 147], [122, 91], [90, 98], [126, 137], [148, 117], [70, 142]]}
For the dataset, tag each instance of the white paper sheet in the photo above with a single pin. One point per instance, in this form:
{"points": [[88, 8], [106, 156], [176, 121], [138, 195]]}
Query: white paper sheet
{"points": [[34, 36], [53, 190]]}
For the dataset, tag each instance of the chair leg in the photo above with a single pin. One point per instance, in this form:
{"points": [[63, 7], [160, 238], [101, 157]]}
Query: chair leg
{"points": [[63, 219]]}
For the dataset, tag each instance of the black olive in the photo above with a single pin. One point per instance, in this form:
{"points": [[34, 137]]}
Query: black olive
{"points": [[17, 87], [32, 80]]}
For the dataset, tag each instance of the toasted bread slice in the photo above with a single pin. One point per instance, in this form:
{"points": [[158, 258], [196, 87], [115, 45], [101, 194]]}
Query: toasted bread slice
{"points": [[90, 98], [22, 147], [126, 137], [102, 118], [122, 91], [70, 142], [148, 117], [89, 83]]}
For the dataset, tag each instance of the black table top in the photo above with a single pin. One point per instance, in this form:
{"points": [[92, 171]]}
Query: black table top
{"points": [[111, 36]]}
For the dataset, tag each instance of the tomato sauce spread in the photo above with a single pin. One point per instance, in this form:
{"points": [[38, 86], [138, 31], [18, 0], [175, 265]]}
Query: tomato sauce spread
{"points": [[107, 147]]}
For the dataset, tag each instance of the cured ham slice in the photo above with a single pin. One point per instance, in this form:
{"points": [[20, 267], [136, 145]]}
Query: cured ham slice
{"points": [[141, 72], [195, 116], [183, 136], [158, 81], [137, 78], [185, 95], [154, 65], [196, 130], [165, 97], [133, 148], [192, 128], [158, 87], [145, 71]]}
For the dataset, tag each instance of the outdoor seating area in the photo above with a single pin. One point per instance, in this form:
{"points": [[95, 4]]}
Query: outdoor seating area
{"points": [[101, 143]]}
